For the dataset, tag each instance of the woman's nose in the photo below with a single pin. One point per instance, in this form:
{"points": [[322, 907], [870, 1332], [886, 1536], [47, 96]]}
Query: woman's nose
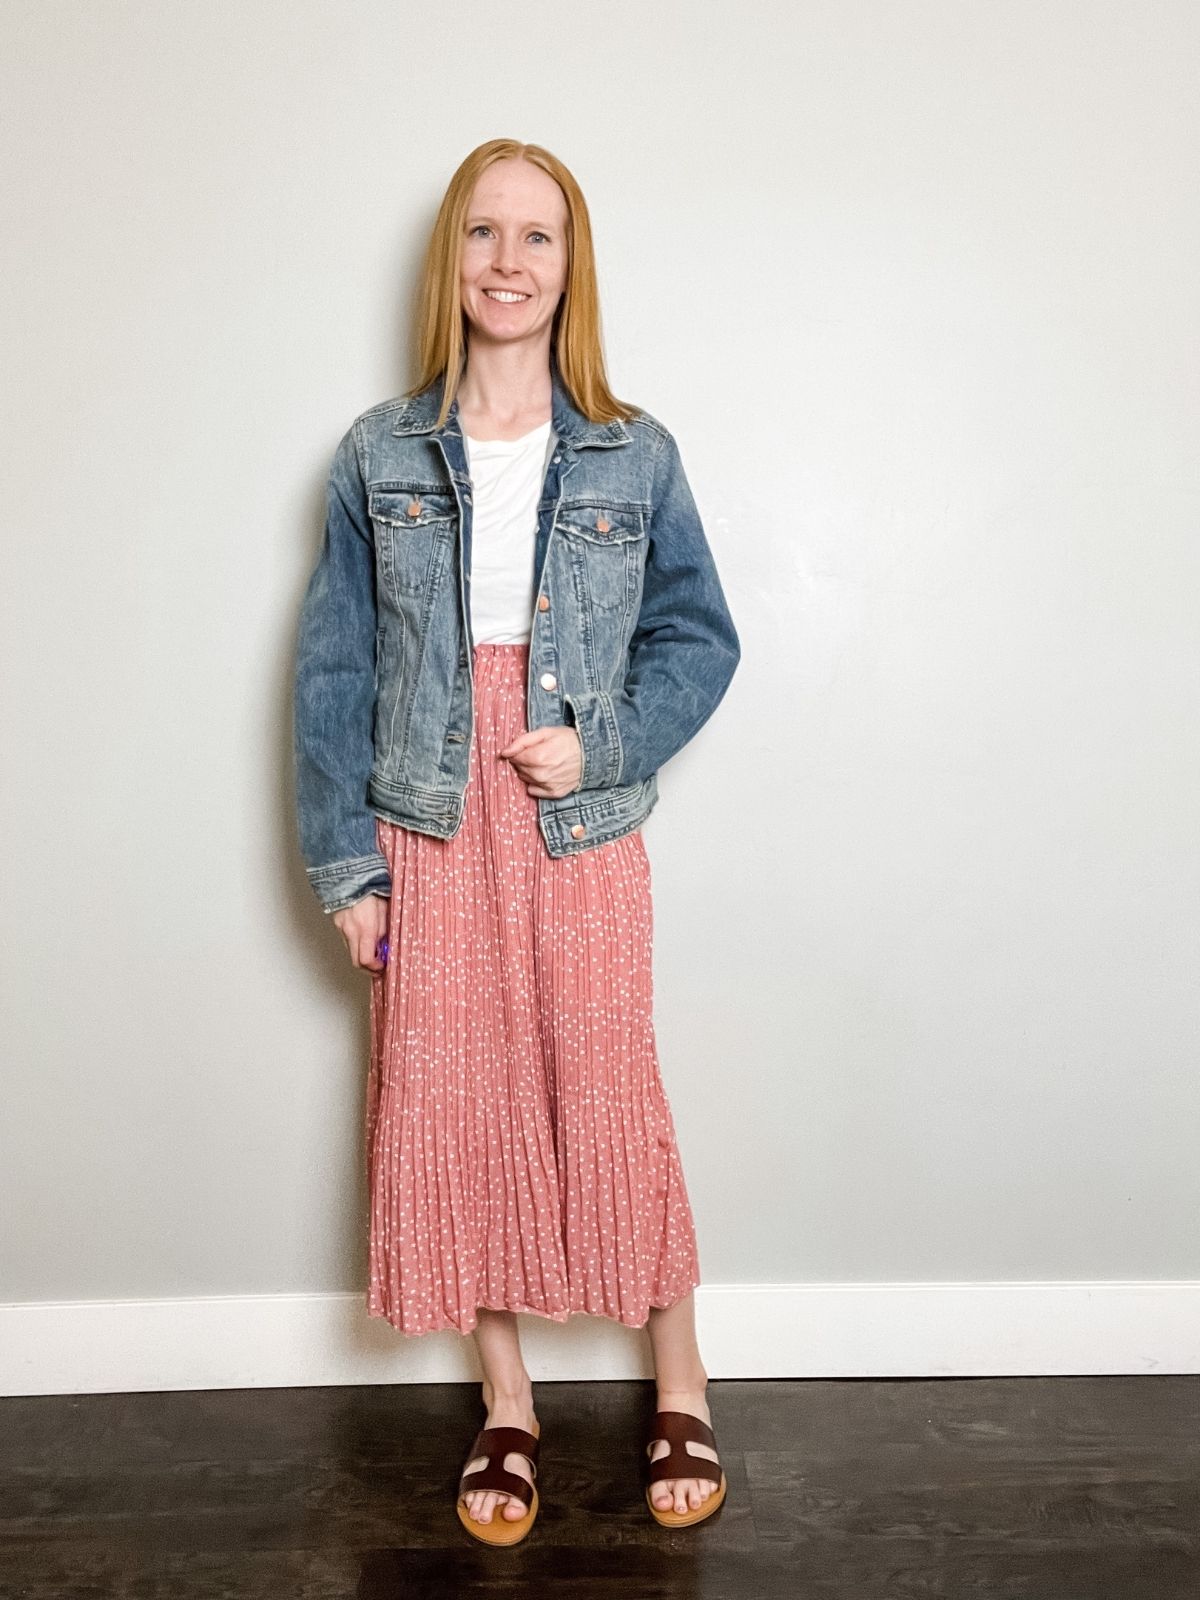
{"points": [[506, 254]]}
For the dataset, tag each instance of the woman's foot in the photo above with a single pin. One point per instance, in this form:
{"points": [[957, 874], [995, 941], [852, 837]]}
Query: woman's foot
{"points": [[509, 1411], [682, 1494]]}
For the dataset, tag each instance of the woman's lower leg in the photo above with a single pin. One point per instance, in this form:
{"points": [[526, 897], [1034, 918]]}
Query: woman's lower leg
{"points": [[507, 1391], [680, 1383]]}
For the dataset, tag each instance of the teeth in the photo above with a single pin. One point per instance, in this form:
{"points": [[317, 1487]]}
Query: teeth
{"points": [[505, 295]]}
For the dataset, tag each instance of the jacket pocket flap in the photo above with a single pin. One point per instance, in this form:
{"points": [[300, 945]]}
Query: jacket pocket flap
{"points": [[411, 508], [603, 524]]}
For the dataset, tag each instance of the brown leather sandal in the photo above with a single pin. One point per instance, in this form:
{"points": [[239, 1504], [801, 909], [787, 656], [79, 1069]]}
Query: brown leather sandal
{"points": [[677, 1428], [495, 1444]]}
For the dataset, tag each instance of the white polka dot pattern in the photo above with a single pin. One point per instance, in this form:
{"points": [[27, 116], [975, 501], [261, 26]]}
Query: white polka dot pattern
{"points": [[521, 1153]]}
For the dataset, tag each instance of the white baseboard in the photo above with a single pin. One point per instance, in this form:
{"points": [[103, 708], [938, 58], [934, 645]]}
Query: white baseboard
{"points": [[819, 1330]]}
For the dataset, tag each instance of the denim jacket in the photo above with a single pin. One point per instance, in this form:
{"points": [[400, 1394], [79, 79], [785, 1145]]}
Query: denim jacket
{"points": [[632, 643]]}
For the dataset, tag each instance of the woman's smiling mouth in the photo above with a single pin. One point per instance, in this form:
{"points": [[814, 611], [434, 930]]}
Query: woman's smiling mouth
{"points": [[506, 297]]}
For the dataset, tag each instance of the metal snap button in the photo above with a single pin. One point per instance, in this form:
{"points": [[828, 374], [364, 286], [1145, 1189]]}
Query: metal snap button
{"points": [[578, 831], [548, 681], [414, 508], [543, 603], [602, 523]]}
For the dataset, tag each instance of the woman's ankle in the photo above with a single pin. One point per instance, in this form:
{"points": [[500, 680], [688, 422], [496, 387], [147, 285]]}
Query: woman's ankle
{"points": [[518, 1393], [697, 1385]]}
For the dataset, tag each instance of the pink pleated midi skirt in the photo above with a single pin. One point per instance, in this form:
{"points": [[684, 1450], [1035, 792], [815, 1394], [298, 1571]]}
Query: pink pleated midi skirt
{"points": [[521, 1153]]}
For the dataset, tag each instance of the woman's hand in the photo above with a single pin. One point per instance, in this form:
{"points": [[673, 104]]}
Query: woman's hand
{"points": [[548, 760], [363, 925]]}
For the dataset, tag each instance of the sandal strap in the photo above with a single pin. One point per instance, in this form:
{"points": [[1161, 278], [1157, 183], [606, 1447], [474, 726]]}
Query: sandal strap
{"points": [[495, 1444], [677, 1428]]}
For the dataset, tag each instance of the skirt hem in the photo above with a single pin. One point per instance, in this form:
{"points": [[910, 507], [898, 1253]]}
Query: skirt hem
{"points": [[468, 1326]]}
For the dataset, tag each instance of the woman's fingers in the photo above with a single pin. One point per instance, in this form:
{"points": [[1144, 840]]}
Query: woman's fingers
{"points": [[557, 766], [363, 926], [551, 760]]}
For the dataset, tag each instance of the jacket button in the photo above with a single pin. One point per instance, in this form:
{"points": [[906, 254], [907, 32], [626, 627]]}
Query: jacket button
{"points": [[602, 523], [543, 603], [578, 831], [414, 508], [548, 680]]}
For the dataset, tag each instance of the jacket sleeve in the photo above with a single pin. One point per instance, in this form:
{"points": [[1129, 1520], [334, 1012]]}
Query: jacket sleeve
{"points": [[334, 699], [683, 652]]}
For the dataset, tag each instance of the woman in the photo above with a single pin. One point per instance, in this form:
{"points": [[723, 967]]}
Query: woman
{"points": [[514, 620]]}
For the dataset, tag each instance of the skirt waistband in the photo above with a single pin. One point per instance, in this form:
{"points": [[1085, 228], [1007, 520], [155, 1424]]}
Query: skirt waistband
{"points": [[500, 663]]}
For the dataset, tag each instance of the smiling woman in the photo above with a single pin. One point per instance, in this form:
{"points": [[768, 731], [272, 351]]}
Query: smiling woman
{"points": [[516, 619]]}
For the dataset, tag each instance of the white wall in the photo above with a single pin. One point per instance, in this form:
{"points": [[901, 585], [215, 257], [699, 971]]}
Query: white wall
{"points": [[915, 288]]}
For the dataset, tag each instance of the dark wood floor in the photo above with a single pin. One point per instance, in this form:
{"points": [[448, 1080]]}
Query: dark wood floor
{"points": [[1013, 1489]]}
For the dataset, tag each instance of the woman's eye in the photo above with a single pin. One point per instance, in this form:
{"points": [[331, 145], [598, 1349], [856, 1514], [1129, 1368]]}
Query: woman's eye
{"points": [[536, 234]]}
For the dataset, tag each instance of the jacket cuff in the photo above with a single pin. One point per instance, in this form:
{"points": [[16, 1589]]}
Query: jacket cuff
{"points": [[341, 883], [594, 720]]}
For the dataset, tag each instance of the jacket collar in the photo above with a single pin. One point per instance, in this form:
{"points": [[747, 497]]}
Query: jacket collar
{"points": [[419, 411]]}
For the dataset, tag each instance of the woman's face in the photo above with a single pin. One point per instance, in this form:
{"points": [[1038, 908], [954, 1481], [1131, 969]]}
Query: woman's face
{"points": [[516, 243]]}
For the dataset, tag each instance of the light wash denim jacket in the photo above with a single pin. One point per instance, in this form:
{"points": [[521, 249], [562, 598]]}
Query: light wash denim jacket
{"points": [[632, 642]]}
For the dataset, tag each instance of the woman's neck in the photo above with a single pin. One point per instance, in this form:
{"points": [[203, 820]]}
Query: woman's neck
{"points": [[504, 393]]}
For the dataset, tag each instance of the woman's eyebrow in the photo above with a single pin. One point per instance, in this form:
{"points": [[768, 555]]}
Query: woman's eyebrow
{"points": [[543, 225]]}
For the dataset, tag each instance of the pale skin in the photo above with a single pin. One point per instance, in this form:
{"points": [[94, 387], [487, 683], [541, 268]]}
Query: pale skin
{"points": [[515, 239]]}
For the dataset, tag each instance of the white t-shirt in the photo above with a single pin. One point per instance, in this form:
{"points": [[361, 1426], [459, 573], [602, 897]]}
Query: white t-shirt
{"points": [[506, 484]]}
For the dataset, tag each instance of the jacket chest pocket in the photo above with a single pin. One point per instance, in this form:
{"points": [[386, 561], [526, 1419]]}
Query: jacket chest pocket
{"points": [[608, 545], [413, 530]]}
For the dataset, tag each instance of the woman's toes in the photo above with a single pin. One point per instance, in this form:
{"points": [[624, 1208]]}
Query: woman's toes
{"points": [[482, 1506], [476, 1504], [681, 1494]]}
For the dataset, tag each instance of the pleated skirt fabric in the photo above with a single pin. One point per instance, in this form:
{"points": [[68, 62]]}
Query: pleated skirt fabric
{"points": [[521, 1153]]}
